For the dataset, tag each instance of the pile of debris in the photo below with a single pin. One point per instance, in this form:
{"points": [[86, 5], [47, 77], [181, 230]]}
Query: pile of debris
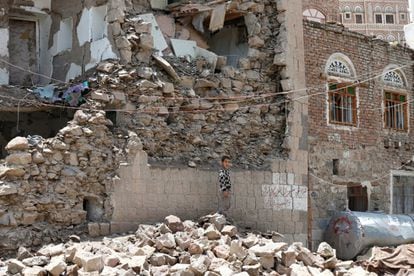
{"points": [[61, 180], [209, 247], [187, 103]]}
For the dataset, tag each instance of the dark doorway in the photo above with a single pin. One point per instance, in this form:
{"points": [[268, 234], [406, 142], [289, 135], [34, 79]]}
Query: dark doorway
{"points": [[94, 210], [42, 123], [357, 198], [22, 52]]}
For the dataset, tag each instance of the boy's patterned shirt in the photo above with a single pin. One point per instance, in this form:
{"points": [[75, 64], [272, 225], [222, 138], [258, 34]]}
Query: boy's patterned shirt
{"points": [[224, 180]]}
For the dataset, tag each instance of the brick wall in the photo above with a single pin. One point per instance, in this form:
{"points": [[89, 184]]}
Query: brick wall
{"points": [[329, 8], [363, 152], [263, 200]]}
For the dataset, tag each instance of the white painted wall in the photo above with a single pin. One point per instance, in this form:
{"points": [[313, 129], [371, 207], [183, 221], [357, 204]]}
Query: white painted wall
{"points": [[411, 5], [4, 53], [92, 25], [43, 4]]}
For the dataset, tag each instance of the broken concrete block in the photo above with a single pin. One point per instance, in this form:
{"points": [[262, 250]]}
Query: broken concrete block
{"points": [[159, 4], [252, 24], [212, 233], [325, 250], [167, 67], [34, 271], [256, 42], [166, 24], [100, 96], [287, 84], [18, 143], [217, 17], [142, 27], [7, 188], [93, 229], [184, 48], [209, 56], [106, 67], [56, 266], [280, 59], [138, 264], [20, 158], [14, 266], [146, 41], [174, 223], [158, 38], [205, 83], [229, 230]]}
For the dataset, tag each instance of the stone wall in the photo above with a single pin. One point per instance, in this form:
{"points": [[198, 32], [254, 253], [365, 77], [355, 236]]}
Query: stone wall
{"points": [[261, 200], [367, 152], [57, 183]]}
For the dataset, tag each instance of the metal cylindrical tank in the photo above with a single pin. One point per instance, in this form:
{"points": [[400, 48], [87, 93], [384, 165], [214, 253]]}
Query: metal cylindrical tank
{"points": [[352, 232]]}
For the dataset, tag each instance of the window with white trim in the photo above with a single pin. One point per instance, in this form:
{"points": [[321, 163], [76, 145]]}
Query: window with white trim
{"points": [[378, 18], [359, 18], [396, 111], [395, 101], [389, 19], [342, 104]]}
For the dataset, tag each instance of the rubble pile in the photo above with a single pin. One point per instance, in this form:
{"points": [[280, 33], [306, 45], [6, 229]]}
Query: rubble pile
{"points": [[210, 247], [190, 105], [49, 185]]}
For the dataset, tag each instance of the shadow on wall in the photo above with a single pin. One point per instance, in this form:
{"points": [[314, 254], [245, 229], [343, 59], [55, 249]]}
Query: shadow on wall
{"points": [[42, 123]]}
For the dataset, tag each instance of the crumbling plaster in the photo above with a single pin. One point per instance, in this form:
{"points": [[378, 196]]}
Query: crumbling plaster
{"points": [[67, 31]]}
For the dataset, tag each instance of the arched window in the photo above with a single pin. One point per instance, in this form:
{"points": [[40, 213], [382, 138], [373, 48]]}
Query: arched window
{"points": [[340, 65], [391, 38], [358, 9], [314, 15], [378, 9], [342, 95], [394, 77], [380, 37], [389, 9], [347, 13], [395, 99]]}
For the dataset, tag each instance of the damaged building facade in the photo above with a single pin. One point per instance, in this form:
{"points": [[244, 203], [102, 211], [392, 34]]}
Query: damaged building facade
{"points": [[184, 84], [172, 87], [360, 120]]}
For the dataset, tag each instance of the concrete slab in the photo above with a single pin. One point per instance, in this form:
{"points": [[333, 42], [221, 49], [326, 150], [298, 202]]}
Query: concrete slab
{"points": [[4, 38], [100, 50], [209, 56], [159, 4], [217, 18], [159, 41], [167, 24], [184, 47]]}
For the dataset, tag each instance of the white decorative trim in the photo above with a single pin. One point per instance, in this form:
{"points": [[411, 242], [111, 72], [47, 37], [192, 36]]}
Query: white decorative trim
{"points": [[340, 65], [394, 77]]}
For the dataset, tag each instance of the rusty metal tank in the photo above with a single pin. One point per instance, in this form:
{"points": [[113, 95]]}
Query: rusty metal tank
{"points": [[350, 233]]}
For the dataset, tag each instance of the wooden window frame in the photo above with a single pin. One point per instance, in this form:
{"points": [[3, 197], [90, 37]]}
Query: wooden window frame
{"points": [[393, 18], [362, 18], [398, 103], [343, 90], [382, 18]]}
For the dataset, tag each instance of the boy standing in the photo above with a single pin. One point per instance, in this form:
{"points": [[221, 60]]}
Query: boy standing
{"points": [[224, 186]]}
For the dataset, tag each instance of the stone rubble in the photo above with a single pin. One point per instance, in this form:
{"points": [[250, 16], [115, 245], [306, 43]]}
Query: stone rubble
{"points": [[180, 248]]}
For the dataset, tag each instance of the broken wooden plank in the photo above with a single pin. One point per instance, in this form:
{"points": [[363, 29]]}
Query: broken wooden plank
{"points": [[167, 67], [217, 18]]}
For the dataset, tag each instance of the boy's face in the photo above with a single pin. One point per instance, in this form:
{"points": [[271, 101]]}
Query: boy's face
{"points": [[226, 163]]}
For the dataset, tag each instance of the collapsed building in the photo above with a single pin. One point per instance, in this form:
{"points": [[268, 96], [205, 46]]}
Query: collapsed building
{"points": [[173, 104], [140, 99]]}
